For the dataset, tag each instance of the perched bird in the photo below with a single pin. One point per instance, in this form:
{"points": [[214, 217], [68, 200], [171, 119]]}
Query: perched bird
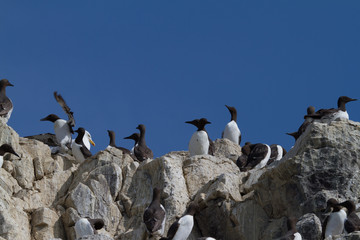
{"points": [[154, 216], [308, 120], [88, 226], [79, 150], [206, 238], [334, 223], [200, 142], [141, 151], [6, 148], [63, 129], [352, 223], [259, 156], [277, 152], [328, 115], [135, 137], [241, 162], [232, 131], [181, 228], [6, 106], [112, 143]]}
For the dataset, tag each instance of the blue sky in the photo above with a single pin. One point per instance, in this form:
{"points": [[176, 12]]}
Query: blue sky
{"points": [[161, 63]]}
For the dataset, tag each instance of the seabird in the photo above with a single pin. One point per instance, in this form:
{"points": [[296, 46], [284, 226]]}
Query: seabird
{"points": [[200, 142], [352, 222], [277, 152], [206, 238], [328, 115], [87, 140], [308, 120], [232, 131], [112, 143], [79, 150], [242, 159], [292, 233], [6, 148], [334, 223], [259, 156], [63, 129], [6, 106], [154, 216], [181, 228], [88, 226], [135, 137], [141, 151]]}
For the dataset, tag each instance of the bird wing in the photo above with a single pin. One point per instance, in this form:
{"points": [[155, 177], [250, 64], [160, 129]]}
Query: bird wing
{"points": [[86, 152], [5, 107], [143, 152], [173, 229], [153, 220], [66, 109], [257, 154]]}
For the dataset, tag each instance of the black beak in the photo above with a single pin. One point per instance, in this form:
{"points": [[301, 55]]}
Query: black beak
{"points": [[43, 119]]}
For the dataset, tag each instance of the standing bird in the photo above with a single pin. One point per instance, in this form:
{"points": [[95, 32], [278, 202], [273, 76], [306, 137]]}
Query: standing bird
{"points": [[200, 142], [181, 228], [6, 106], [232, 131], [328, 115], [63, 129], [135, 137], [79, 149], [112, 143], [87, 226], [6, 148], [154, 216], [141, 151], [334, 223], [277, 152]]}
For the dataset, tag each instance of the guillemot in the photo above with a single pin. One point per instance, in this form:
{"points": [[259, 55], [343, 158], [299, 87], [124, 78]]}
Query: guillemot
{"points": [[258, 157], [352, 222], [232, 131], [334, 223], [141, 151], [112, 143], [87, 226], [277, 152], [200, 142], [181, 228], [135, 137], [79, 150], [154, 216], [6, 106], [6, 148]]}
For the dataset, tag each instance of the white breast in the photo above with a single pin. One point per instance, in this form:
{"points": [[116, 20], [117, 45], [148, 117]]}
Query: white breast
{"points": [[265, 160], [199, 143], [1, 161], [83, 228], [77, 152], [335, 224], [337, 115], [232, 132], [62, 133], [162, 229], [280, 153], [297, 236], [8, 115], [184, 230]]}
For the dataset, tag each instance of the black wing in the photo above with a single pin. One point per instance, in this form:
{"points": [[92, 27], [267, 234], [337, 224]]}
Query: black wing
{"points": [[5, 107], [66, 108], [153, 220], [211, 150], [86, 152], [352, 223], [143, 152], [274, 154], [257, 154], [173, 229]]}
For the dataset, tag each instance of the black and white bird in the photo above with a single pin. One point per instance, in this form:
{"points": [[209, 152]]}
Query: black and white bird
{"points": [[154, 216], [200, 142], [328, 115], [78, 147], [6, 106], [334, 223], [63, 128], [259, 156], [6, 148], [113, 145], [181, 228], [87, 226], [141, 151], [352, 222], [135, 137], [232, 131], [277, 152]]}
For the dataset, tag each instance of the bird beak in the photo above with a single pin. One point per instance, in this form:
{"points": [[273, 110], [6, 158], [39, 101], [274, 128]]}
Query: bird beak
{"points": [[353, 99], [43, 119], [92, 142], [10, 85]]}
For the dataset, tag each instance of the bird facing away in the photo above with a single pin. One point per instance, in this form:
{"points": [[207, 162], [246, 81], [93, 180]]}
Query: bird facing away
{"points": [[6, 148], [63, 129], [259, 156], [6, 106], [112, 143], [181, 228], [141, 151], [334, 223], [277, 152], [200, 142], [232, 131], [88, 226], [79, 149], [154, 216], [328, 115], [135, 137]]}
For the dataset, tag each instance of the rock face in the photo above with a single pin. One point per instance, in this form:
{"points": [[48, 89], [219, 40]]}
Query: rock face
{"points": [[43, 195]]}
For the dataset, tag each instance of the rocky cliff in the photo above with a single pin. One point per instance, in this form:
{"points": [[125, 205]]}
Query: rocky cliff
{"points": [[42, 195]]}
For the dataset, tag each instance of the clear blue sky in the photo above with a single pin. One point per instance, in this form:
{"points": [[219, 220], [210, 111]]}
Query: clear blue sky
{"points": [[161, 63]]}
